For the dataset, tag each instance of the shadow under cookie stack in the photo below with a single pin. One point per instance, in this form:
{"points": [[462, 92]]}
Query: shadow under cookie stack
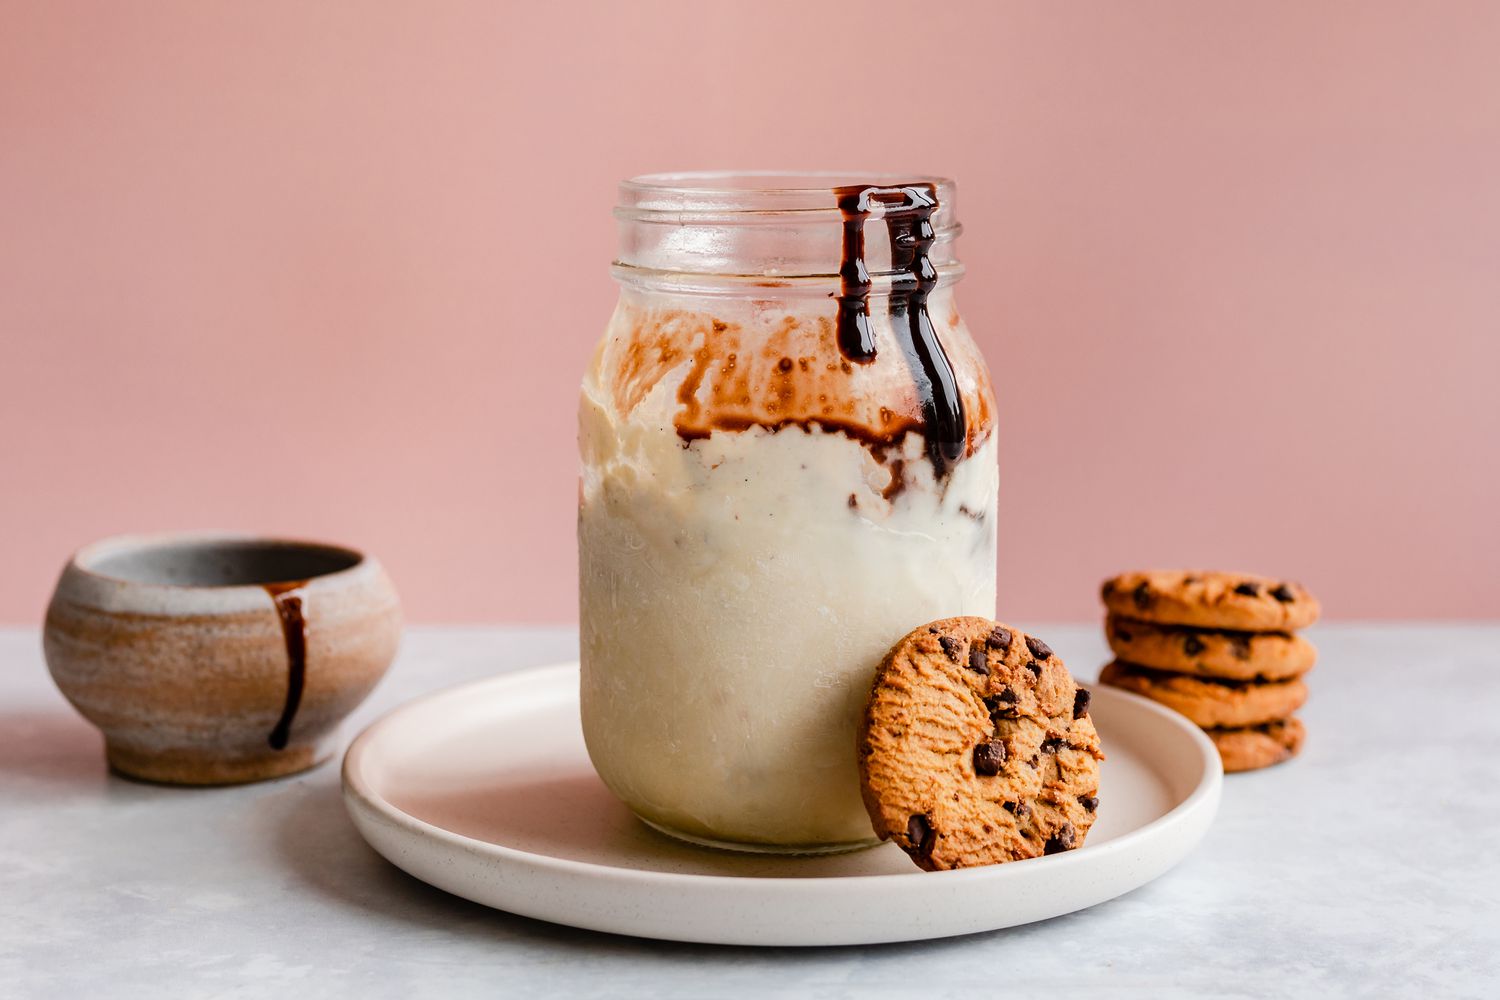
{"points": [[1222, 649]]}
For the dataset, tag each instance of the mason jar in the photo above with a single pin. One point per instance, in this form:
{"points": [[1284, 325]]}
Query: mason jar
{"points": [[788, 462]]}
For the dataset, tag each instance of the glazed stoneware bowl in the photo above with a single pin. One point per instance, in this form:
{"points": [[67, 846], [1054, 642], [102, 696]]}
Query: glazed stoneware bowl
{"points": [[214, 659]]}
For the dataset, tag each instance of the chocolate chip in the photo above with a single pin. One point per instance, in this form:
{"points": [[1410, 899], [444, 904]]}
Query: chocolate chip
{"points": [[1090, 803], [989, 758], [919, 834], [1240, 646], [1002, 705], [1248, 589], [1019, 810], [1189, 580], [1283, 593], [1038, 648], [1121, 634], [1142, 596], [978, 662], [1052, 744], [1063, 840], [1081, 703], [1034, 667], [951, 646], [1192, 645], [999, 639]]}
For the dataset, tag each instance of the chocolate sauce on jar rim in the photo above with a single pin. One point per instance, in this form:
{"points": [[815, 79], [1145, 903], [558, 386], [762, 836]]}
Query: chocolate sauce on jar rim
{"points": [[907, 211]]}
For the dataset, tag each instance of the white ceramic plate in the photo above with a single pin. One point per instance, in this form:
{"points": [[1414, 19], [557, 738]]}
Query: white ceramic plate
{"points": [[485, 790]]}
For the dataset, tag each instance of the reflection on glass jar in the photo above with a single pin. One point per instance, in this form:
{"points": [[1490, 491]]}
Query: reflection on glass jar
{"points": [[788, 462]]}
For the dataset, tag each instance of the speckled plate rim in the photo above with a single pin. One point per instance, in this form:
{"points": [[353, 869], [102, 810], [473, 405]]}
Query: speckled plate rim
{"points": [[434, 855]]}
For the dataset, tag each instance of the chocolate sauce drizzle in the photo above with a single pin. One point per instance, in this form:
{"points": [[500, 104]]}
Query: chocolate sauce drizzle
{"points": [[856, 339], [908, 214], [288, 600]]}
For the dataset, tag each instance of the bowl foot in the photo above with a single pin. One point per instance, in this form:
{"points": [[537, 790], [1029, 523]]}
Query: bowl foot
{"points": [[198, 766]]}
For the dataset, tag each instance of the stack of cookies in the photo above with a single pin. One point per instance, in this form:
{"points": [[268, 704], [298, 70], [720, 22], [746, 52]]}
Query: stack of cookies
{"points": [[1220, 648]]}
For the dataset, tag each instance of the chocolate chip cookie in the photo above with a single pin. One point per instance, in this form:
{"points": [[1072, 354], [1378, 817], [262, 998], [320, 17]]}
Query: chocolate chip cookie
{"points": [[1210, 702], [976, 747], [1210, 600], [1241, 656], [1252, 747]]}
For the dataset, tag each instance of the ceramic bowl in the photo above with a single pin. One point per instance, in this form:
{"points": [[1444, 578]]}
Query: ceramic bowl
{"points": [[216, 658]]}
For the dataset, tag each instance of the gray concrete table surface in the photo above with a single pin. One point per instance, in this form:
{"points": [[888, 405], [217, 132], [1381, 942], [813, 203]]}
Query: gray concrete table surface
{"points": [[1370, 866]]}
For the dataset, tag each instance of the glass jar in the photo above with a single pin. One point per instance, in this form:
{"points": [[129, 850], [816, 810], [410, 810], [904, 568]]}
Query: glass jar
{"points": [[788, 462]]}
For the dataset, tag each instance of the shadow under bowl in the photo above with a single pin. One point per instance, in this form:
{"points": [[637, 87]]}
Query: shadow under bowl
{"points": [[219, 658]]}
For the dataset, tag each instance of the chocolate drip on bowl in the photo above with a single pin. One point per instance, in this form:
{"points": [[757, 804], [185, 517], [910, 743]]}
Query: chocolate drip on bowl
{"points": [[288, 600]]}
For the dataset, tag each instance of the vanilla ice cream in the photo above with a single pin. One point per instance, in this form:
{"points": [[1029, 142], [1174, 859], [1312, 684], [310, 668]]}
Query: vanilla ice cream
{"points": [[759, 520]]}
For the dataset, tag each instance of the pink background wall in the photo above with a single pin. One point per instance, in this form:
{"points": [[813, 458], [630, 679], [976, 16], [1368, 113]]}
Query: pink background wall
{"points": [[334, 269]]}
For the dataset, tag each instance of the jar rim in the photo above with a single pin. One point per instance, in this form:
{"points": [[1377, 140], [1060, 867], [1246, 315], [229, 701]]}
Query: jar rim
{"points": [[723, 225], [702, 195]]}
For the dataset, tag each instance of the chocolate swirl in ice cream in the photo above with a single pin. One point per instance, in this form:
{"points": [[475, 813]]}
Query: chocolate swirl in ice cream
{"points": [[908, 214], [777, 369]]}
